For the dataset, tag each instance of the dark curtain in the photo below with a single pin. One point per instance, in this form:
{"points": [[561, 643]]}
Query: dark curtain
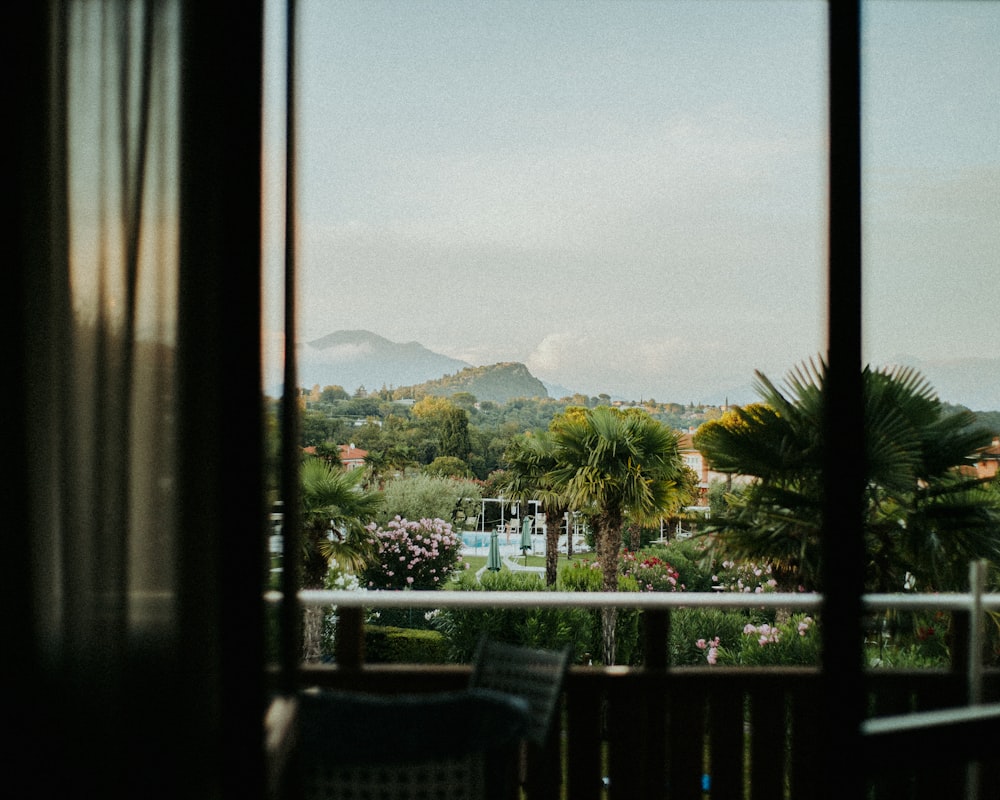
{"points": [[133, 413]]}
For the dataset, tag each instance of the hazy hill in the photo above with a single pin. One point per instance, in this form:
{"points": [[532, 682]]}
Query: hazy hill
{"points": [[354, 358], [360, 358], [499, 383]]}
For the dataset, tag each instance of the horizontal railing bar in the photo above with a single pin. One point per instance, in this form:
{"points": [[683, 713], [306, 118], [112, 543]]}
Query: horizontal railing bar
{"points": [[643, 600], [939, 718], [948, 601], [487, 599]]}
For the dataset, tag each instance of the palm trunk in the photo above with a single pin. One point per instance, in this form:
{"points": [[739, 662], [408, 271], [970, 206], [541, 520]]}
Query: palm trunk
{"points": [[552, 520], [312, 634], [608, 527], [635, 537]]}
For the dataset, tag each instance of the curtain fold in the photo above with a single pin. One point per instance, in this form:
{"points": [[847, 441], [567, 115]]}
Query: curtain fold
{"points": [[118, 401], [104, 483], [136, 171]]}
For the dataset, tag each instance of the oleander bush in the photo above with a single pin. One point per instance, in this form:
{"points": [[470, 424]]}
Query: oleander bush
{"points": [[413, 554]]}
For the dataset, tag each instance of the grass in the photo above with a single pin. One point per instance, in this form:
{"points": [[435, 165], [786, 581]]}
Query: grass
{"points": [[476, 563]]}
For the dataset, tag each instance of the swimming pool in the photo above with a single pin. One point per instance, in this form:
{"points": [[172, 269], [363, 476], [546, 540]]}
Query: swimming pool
{"points": [[476, 538]]}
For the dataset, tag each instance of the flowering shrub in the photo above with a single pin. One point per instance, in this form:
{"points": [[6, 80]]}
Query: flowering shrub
{"points": [[692, 558], [581, 576], [414, 555], [910, 641], [793, 642], [713, 626], [337, 579], [651, 574], [712, 656], [745, 577]]}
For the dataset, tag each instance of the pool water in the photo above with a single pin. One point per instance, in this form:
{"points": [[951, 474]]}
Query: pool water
{"points": [[476, 538]]}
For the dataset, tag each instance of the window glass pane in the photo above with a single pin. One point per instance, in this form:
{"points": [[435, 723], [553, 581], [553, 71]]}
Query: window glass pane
{"points": [[273, 228], [931, 193], [629, 198]]}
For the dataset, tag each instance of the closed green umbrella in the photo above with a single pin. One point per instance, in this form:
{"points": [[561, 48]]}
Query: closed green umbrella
{"points": [[493, 557], [526, 538]]}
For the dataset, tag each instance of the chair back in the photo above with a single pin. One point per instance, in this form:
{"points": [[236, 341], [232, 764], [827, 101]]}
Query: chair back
{"points": [[438, 746], [532, 674]]}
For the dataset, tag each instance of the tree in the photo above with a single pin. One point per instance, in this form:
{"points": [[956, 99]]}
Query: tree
{"points": [[530, 461], [464, 400], [421, 496], [611, 463], [317, 428], [923, 515], [332, 393], [683, 491], [448, 467], [335, 511], [449, 423]]}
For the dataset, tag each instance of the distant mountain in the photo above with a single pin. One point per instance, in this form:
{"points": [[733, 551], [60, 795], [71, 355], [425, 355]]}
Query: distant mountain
{"points": [[557, 391], [499, 383], [360, 358]]}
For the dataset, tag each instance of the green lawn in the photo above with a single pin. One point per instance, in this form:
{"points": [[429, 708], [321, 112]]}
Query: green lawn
{"points": [[478, 562]]}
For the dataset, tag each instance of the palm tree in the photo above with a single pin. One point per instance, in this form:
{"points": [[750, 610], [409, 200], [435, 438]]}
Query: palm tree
{"points": [[335, 510], [530, 459], [923, 514], [683, 491], [610, 464]]}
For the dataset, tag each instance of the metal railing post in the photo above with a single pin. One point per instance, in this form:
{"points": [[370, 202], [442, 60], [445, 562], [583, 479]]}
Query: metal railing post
{"points": [[974, 666], [974, 670]]}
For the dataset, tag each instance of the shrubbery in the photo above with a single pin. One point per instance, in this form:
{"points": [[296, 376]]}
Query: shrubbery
{"points": [[650, 573], [690, 625], [424, 496], [389, 645], [690, 558], [586, 576], [550, 628], [413, 555], [427, 552]]}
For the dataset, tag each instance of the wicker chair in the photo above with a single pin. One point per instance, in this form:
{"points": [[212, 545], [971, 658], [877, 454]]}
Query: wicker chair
{"points": [[441, 746], [534, 675]]}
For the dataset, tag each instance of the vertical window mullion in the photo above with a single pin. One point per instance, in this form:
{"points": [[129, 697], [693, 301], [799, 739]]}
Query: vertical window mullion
{"points": [[291, 649], [844, 453]]}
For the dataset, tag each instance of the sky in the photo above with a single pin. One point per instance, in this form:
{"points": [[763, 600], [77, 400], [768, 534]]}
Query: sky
{"points": [[630, 197]]}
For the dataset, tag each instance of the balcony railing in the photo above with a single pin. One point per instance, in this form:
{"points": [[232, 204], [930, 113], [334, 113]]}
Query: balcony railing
{"points": [[657, 730]]}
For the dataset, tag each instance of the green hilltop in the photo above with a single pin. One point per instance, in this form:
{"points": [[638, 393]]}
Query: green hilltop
{"points": [[497, 382]]}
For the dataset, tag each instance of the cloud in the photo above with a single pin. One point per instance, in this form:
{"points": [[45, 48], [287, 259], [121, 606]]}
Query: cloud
{"points": [[338, 353]]}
